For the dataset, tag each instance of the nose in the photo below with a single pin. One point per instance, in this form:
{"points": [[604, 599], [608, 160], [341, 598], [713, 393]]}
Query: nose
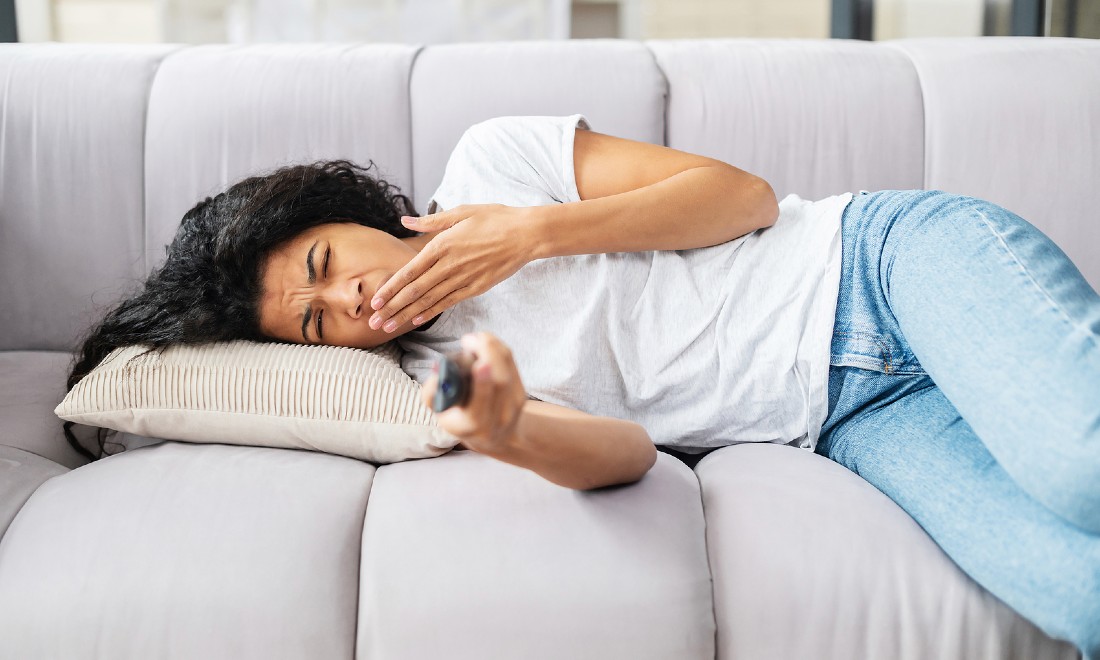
{"points": [[348, 296]]}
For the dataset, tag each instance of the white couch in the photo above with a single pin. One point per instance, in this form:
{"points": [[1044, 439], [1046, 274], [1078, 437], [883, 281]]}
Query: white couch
{"points": [[174, 550]]}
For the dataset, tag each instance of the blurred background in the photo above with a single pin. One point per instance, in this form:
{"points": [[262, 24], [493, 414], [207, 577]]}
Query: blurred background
{"points": [[441, 21]]}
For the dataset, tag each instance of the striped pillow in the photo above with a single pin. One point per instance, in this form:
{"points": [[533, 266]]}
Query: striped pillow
{"points": [[347, 401]]}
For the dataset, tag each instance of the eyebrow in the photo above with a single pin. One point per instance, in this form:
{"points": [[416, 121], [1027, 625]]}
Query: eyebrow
{"points": [[309, 264], [305, 323], [311, 273]]}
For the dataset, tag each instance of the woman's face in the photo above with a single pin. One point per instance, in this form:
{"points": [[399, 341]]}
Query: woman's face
{"points": [[318, 286]]}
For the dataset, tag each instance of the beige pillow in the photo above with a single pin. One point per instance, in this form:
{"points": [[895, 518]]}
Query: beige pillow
{"points": [[332, 399]]}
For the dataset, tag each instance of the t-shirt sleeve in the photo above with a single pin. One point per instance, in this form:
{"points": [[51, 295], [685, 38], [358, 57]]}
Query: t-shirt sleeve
{"points": [[516, 160]]}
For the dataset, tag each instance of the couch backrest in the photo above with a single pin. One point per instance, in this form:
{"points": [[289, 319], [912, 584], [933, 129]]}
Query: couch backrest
{"points": [[71, 185], [218, 114], [103, 148]]}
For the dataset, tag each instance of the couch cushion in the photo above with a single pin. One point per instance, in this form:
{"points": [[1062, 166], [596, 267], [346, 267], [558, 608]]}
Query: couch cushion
{"points": [[614, 83], [465, 556], [32, 383], [220, 113], [187, 551], [1013, 120], [813, 117], [798, 540], [71, 171], [21, 473]]}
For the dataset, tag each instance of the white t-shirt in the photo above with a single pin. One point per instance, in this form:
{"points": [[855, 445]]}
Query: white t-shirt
{"points": [[703, 347]]}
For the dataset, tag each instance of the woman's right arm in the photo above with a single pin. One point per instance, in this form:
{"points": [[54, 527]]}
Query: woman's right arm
{"points": [[565, 446], [577, 450]]}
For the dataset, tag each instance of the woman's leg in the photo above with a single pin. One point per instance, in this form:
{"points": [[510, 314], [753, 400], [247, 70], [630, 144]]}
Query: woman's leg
{"points": [[1009, 330], [1002, 321], [913, 445]]}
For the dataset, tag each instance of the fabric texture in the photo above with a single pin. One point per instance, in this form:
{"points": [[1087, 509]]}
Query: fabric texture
{"points": [[965, 385], [332, 399], [703, 347], [791, 531]]}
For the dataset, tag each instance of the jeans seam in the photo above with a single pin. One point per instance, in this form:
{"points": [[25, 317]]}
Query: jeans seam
{"points": [[1019, 264], [873, 337]]}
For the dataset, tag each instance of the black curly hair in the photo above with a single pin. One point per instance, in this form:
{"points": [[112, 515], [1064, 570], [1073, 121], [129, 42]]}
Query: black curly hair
{"points": [[209, 287]]}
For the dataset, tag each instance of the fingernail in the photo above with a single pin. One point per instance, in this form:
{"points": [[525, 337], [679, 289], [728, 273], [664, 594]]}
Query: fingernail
{"points": [[390, 326], [418, 320], [375, 321], [376, 303]]}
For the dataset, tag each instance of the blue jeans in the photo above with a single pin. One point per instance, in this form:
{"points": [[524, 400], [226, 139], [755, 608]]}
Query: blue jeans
{"points": [[965, 385]]}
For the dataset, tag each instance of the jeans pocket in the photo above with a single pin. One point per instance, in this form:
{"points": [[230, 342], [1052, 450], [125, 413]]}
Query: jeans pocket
{"points": [[867, 349]]}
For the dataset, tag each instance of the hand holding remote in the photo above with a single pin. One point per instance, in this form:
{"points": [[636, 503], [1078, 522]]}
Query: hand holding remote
{"points": [[478, 396]]}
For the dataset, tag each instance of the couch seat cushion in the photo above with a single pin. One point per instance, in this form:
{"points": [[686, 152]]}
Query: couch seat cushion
{"points": [[799, 542], [466, 557], [188, 551]]}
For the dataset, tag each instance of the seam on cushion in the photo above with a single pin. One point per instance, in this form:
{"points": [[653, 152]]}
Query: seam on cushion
{"points": [[666, 98], [706, 541], [706, 552], [19, 509], [925, 165], [409, 99], [145, 160]]}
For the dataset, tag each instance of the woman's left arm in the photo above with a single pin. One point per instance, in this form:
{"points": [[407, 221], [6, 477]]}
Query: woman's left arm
{"points": [[636, 196]]}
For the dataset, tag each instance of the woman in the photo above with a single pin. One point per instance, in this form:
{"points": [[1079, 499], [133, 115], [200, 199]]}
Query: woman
{"points": [[937, 345]]}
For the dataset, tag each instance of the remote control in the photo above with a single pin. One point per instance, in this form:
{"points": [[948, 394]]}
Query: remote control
{"points": [[453, 388]]}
